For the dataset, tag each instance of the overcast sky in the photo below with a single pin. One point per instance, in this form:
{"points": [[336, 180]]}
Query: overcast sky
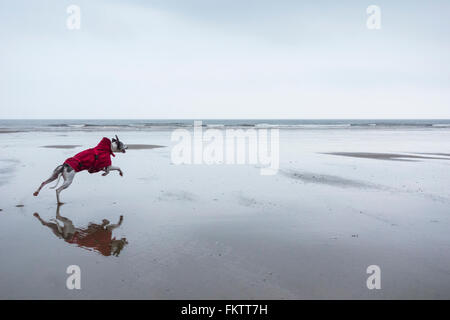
{"points": [[224, 59]]}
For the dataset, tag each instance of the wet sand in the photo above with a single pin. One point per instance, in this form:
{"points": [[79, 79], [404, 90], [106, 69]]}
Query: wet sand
{"points": [[225, 231], [331, 180], [387, 156], [435, 154]]}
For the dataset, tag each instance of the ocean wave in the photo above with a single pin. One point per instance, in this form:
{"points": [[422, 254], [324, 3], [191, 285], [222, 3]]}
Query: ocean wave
{"points": [[165, 124]]}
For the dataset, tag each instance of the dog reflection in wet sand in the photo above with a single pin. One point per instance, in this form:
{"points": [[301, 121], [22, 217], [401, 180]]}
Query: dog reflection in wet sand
{"points": [[97, 237]]}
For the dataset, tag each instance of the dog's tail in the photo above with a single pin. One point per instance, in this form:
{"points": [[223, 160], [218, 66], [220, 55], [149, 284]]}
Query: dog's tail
{"points": [[58, 170]]}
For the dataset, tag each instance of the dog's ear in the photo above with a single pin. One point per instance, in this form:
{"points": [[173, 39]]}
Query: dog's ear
{"points": [[113, 140], [117, 138]]}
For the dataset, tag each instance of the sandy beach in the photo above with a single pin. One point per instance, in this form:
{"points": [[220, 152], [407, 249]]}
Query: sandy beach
{"points": [[341, 201]]}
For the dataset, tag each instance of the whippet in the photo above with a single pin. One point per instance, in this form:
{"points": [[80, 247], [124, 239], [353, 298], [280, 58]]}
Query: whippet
{"points": [[94, 160]]}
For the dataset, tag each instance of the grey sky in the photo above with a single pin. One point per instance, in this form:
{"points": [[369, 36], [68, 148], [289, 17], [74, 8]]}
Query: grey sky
{"points": [[224, 59]]}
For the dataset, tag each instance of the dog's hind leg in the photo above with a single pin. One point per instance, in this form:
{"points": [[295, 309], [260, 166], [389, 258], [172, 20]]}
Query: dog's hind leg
{"points": [[68, 178], [52, 226], [57, 182], [53, 177]]}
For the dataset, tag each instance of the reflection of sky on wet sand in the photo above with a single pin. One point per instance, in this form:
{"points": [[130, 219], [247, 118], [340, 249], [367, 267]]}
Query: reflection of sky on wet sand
{"points": [[7, 168], [226, 231]]}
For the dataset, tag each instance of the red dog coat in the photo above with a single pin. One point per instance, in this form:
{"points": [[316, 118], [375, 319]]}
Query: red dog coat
{"points": [[94, 159]]}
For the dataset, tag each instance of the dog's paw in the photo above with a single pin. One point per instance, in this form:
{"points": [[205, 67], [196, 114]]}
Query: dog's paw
{"points": [[36, 214], [35, 194], [121, 173]]}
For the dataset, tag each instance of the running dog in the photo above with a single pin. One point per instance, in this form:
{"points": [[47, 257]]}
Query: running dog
{"points": [[93, 160]]}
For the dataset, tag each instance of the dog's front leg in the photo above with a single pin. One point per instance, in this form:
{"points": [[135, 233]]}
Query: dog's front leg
{"points": [[113, 226], [111, 168]]}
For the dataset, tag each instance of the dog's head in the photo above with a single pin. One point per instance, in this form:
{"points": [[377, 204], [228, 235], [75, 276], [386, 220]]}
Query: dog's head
{"points": [[117, 145]]}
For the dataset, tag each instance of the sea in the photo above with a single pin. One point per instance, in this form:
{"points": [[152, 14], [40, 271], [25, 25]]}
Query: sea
{"points": [[48, 125]]}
